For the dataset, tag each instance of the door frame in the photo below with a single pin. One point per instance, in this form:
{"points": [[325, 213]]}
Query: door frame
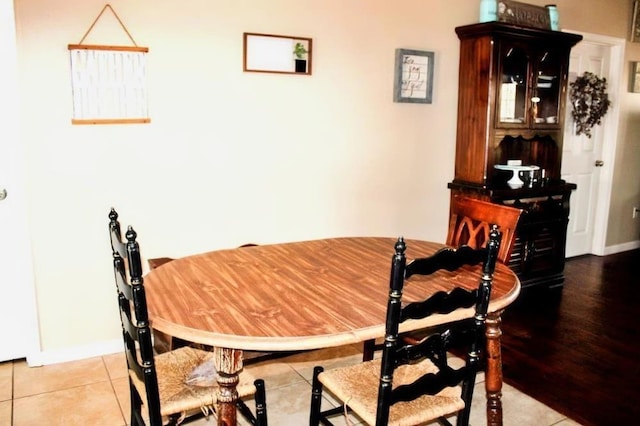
{"points": [[611, 122], [20, 238]]}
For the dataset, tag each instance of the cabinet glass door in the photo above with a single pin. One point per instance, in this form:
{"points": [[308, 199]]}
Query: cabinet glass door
{"points": [[546, 97], [512, 100]]}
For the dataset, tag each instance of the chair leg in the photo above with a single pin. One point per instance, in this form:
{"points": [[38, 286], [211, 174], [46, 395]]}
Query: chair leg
{"points": [[173, 420], [136, 406], [467, 397], [368, 348], [260, 416], [316, 398], [261, 403], [246, 412], [493, 372]]}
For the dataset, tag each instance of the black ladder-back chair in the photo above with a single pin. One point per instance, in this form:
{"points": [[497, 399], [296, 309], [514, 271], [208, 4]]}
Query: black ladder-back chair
{"points": [[159, 381], [415, 383], [470, 221]]}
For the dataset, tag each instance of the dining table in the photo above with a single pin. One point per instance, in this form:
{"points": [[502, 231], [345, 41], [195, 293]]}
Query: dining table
{"points": [[307, 295]]}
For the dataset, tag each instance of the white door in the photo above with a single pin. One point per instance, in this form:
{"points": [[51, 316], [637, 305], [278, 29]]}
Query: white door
{"points": [[18, 319], [583, 159]]}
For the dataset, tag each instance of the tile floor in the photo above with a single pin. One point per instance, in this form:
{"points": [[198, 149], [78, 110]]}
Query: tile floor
{"points": [[95, 392]]}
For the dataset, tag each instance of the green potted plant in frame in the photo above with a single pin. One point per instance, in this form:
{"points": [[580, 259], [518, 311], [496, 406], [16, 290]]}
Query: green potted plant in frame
{"points": [[300, 53]]}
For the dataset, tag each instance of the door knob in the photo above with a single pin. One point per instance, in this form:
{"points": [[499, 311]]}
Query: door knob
{"points": [[599, 163], [3, 194]]}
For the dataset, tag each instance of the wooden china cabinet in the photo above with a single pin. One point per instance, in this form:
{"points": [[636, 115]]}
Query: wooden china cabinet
{"points": [[511, 110]]}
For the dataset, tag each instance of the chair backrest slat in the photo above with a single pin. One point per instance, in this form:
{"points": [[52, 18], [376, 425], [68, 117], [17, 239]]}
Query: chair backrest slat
{"points": [[119, 270], [440, 303], [447, 258]]}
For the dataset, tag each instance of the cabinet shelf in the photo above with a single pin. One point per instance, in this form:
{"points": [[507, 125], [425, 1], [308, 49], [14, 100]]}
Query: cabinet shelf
{"points": [[505, 193]]}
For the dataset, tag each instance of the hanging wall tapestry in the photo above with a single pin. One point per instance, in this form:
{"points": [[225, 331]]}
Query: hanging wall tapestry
{"points": [[109, 83]]}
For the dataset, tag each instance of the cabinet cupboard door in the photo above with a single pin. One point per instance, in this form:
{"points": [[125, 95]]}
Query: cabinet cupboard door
{"points": [[512, 103], [546, 93], [529, 94], [539, 249]]}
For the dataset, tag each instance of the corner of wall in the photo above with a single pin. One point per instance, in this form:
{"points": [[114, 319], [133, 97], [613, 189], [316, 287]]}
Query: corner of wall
{"points": [[618, 248], [75, 353]]}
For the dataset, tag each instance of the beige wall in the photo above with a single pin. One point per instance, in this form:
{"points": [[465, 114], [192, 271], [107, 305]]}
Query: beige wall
{"points": [[626, 181], [233, 157]]}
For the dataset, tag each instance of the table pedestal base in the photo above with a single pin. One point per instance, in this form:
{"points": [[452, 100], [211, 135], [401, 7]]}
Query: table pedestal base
{"points": [[228, 363]]}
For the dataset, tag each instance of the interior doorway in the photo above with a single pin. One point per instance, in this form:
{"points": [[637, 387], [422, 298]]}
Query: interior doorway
{"points": [[19, 336], [589, 162]]}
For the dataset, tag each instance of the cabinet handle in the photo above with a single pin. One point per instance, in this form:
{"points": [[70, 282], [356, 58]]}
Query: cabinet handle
{"points": [[529, 251]]}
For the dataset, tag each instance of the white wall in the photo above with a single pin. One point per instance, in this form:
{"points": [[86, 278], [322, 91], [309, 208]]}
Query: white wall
{"points": [[231, 157]]}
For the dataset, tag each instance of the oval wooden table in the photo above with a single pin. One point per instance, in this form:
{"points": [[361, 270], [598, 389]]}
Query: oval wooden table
{"points": [[306, 295]]}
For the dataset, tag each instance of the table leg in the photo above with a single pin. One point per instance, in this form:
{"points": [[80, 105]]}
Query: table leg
{"points": [[493, 379], [228, 363]]}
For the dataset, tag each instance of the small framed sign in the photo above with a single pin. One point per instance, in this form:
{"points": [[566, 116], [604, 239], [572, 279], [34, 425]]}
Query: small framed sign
{"points": [[527, 15], [635, 77], [413, 76]]}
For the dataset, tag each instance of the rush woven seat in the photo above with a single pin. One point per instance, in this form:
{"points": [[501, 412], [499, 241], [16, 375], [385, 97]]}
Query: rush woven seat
{"points": [[175, 386], [180, 391], [359, 386], [413, 384]]}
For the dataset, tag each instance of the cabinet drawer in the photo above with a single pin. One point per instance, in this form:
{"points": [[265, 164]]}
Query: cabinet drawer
{"points": [[539, 250]]}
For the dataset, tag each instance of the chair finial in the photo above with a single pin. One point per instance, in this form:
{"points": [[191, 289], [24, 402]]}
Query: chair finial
{"points": [[113, 215], [131, 235], [495, 236], [400, 246], [493, 245]]}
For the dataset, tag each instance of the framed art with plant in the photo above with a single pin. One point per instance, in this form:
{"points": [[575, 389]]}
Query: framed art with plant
{"points": [[277, 54]]}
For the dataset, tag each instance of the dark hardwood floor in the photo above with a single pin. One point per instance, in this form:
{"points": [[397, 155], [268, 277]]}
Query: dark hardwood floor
{"points": [[577, 349]]}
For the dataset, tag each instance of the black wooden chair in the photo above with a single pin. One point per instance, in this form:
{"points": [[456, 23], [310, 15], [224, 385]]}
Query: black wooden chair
{"points": [[416, 383], [175, 386]]}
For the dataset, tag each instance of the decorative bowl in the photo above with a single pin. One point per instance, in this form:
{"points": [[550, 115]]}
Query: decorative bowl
{"points": [[515, 181]]}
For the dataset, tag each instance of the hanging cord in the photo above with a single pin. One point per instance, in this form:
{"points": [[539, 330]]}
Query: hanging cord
{"points": [[346, 412], [119, 21]]}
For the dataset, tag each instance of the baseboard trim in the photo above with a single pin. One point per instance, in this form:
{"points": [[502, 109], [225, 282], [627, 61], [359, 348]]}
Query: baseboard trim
{"points": [[75, 353], [618, 248]]}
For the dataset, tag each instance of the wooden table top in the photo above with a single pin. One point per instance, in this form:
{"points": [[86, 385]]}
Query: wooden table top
{"points": [[301, 295]]}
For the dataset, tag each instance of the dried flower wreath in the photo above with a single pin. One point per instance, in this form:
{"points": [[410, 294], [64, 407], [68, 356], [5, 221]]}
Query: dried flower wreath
{"points": [[589, 100]]}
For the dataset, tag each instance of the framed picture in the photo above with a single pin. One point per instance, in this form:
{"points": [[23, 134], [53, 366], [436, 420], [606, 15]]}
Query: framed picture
{"points": [[635, 23], [413, 76], [277, 54], [634, 86]]}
